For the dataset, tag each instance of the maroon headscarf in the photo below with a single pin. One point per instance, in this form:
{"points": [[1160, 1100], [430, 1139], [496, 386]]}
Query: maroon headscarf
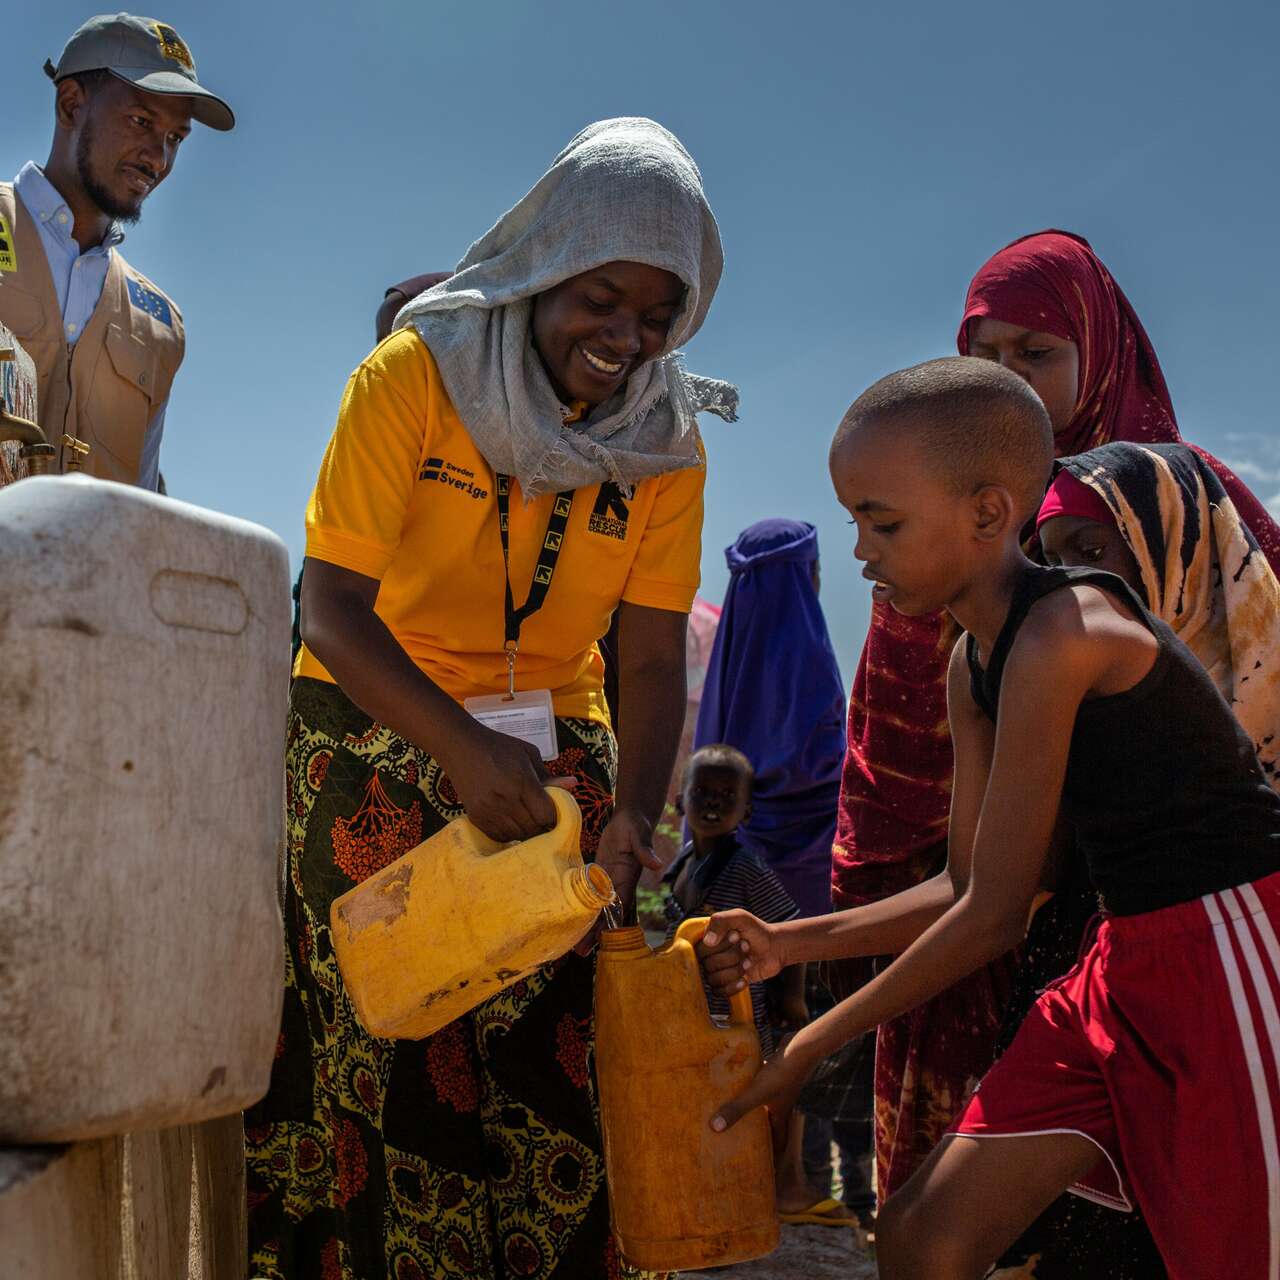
{"points": [[895, 793], [1054, 282]]}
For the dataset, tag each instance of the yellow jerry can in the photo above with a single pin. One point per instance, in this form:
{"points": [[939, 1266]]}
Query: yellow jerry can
{"points": [[461, 916], [681, 1196]]}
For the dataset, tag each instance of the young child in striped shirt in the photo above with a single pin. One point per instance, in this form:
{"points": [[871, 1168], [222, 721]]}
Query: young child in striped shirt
{"points": [[713, 872]]}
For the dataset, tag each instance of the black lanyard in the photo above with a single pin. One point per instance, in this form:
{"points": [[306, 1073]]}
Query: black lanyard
{"points": [[543, 571]]}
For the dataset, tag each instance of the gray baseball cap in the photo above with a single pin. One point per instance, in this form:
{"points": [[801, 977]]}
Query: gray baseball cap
{"points": [[146, 53]]}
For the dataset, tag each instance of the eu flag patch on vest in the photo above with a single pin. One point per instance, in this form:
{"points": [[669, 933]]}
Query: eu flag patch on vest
{"points": [[148, 300]]}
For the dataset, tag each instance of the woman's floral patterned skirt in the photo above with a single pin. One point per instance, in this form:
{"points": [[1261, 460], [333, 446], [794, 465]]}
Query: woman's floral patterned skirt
{"points": [[474, 1153]]}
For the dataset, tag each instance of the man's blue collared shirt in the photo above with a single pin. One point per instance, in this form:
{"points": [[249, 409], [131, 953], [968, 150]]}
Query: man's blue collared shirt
{"points": [[78, 279]]}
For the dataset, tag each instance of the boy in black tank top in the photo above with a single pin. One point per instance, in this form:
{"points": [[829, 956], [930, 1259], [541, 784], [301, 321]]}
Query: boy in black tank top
{"points": [[1067, 702]]}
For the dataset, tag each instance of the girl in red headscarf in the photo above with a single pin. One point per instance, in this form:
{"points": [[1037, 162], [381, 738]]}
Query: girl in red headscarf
{"points": [[1047, 308]]}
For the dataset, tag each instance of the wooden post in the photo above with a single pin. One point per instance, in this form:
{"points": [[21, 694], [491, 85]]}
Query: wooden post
{"points": [[60, 1213], [219, 1235], [163, 1205], [156, 1204]]}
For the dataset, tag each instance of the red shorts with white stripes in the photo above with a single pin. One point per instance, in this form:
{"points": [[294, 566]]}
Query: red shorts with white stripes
{"points": [[1163, 1046]]}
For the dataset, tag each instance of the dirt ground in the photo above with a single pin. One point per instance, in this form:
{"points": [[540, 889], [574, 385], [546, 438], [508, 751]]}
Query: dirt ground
{"points": [[806, 1253]]}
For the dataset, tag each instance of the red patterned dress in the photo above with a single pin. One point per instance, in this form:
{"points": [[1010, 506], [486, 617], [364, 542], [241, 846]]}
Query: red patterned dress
{"points": [[472, 1154]]}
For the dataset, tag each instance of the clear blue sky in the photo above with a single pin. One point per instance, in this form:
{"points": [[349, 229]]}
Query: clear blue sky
{"points": [[862, 160]]}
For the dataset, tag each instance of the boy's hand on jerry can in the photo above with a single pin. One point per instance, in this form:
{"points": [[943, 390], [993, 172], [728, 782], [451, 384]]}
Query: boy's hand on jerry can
{"points": [[738, 949], [777, 1085]]}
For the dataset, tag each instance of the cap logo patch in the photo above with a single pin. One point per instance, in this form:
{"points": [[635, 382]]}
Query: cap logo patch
{"points": [[8, 251], [173, 46], [148, 300]]}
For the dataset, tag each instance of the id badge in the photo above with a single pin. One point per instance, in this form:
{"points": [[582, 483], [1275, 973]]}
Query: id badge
{"points": [[527, 715]]}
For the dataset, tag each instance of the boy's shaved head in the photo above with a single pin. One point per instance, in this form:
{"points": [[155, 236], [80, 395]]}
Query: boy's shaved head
{"points": [[976, 422]]}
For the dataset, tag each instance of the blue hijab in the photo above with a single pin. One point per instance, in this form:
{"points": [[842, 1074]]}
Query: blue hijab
{"points": [[773, 690]]}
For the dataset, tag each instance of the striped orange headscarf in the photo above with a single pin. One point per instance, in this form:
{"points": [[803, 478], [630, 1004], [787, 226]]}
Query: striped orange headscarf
{"points": [[1202, 573]]}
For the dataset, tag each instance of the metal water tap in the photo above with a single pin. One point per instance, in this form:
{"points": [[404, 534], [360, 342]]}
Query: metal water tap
{"points": [[12, 427], [74, 453]]}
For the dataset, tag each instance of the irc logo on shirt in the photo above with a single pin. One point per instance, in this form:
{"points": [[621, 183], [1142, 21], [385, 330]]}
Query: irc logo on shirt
{"points": [[148, 300], [455, 477], [610, 514], [8, 252]]}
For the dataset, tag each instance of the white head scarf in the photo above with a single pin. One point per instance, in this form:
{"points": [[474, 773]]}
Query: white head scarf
{"points": [[622, 190]]}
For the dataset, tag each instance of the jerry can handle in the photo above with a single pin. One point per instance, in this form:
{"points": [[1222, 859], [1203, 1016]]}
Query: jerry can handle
{"points": [[568, 823], [740, 1010]]}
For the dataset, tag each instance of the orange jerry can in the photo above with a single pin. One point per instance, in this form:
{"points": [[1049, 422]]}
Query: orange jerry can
{"points": [[681, 1197], [461, 916]]}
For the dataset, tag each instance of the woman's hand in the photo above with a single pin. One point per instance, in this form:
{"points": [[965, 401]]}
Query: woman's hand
{"points": [[651, 695], [500, 781], [738, 949], [626, 849], [777, 1085]]}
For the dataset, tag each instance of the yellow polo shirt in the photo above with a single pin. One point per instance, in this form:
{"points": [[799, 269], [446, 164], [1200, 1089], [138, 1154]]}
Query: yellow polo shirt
{"points": [[404, 496]]}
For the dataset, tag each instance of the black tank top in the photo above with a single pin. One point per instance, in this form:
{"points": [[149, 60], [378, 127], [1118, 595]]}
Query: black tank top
{"points": [[1163, 787]]}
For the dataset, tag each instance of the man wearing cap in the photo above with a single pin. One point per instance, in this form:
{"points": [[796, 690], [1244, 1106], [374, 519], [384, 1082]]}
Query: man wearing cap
{"points": [[106, 342]]}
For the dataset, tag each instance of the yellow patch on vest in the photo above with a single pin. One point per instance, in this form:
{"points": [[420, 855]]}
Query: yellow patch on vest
{"points": [[172, 45], [8, 249]]}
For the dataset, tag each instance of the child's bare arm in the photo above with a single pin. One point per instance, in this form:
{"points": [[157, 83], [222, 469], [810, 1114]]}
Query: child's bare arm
{"points": [[974, 737], [1053, 664], [739, 948], [973, 740]]}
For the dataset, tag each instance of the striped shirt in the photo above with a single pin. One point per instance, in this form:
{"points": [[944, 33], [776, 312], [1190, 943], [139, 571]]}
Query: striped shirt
{"points": [[744, 882]]}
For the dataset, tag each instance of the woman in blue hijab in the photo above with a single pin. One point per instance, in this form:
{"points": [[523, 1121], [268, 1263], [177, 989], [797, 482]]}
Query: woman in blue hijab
{"points": [[773, 690]]}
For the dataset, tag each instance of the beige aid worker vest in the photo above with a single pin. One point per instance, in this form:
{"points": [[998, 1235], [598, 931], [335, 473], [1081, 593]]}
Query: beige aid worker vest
{"points": [[105, 387]]}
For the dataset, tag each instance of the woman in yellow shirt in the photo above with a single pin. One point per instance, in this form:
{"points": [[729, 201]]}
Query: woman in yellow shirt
{"points": [[516, 463]]}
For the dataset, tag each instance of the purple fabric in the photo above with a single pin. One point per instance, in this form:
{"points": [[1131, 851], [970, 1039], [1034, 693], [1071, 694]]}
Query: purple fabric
{"points": [[773, 690]]}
